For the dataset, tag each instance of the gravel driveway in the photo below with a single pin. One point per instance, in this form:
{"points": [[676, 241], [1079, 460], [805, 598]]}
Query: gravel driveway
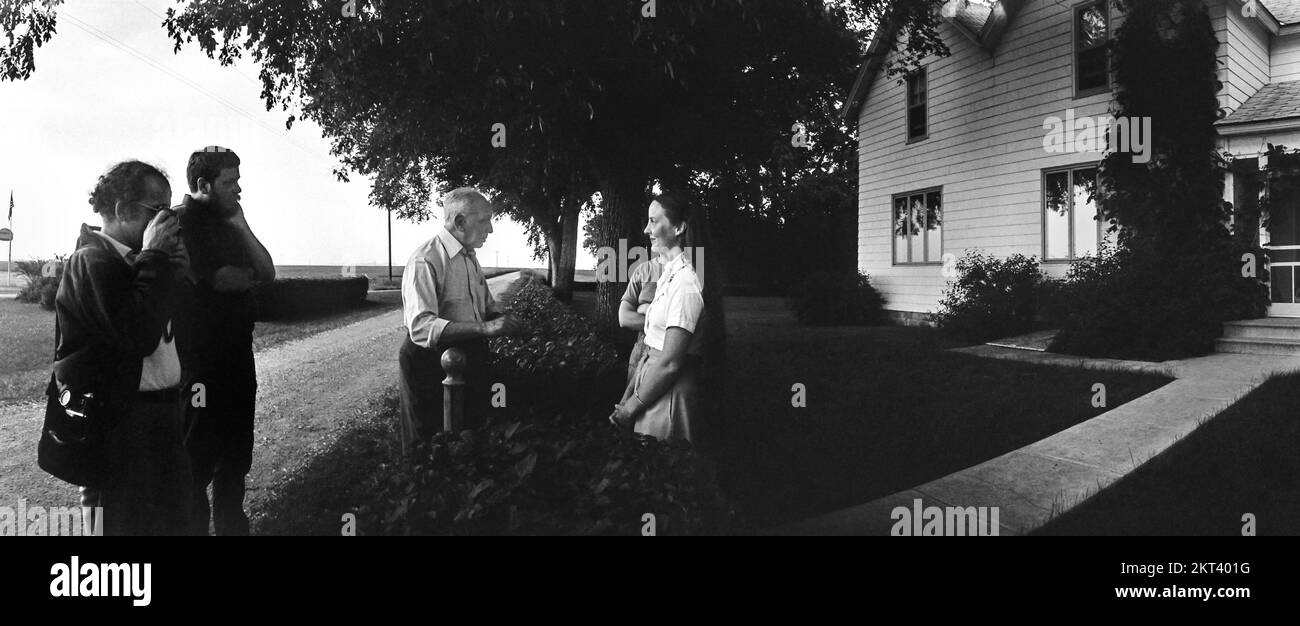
{"points": [[305, 389]]}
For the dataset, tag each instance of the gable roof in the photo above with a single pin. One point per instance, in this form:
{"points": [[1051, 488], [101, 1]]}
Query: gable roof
{"points": [[983, 21], [1274, 101], [1286, 12], [977, 19]]}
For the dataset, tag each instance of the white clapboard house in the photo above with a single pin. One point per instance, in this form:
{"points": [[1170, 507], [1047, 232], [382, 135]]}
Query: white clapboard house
{"points": [[954, 158]]}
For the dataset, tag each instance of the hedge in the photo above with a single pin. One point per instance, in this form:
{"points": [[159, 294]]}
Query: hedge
{"points": [[548, 462], [993, 297], [302, 297], [560, 359], [829, 298]]}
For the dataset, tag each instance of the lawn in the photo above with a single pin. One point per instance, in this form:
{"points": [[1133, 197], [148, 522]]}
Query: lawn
{"points": [[27, 332], [1244, 460], [887, 408]]}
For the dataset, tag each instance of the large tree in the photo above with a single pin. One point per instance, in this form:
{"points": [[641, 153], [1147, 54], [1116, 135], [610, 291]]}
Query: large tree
{"points": [[592, 95]]}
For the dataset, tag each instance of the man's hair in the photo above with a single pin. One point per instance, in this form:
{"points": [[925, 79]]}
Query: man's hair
{"points": [[126, 181], [460, 201], [208, 163]]}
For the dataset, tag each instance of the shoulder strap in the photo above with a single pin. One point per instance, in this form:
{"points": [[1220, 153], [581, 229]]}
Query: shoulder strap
{"points": [[53, 388]]}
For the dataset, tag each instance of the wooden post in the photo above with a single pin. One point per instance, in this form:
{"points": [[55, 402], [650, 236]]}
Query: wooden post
{"points": [[453, 389]]}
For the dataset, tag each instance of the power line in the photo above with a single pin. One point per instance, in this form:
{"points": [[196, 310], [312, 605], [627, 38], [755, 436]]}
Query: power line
{"points": [[164, 17], [116, 43]]}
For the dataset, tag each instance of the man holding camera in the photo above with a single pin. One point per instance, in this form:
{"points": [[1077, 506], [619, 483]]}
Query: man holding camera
{"points": [[227, 261], [446, 303], [116, 358]]}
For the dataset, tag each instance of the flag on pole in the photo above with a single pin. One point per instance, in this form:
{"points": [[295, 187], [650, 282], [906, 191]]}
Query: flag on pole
{"points": [[11, 205]]}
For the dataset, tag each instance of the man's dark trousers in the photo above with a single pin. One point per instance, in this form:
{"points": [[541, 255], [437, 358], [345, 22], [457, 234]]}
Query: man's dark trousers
{"points": [[420, 386], [219, 439]]}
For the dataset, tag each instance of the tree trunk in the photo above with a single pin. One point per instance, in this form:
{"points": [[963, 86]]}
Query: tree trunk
{"points": [[563, 269], [623, 205], [553, 254]]}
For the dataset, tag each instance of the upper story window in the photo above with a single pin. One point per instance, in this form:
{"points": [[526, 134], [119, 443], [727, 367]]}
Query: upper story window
{"points": [[1091, 57], [918, 126]]}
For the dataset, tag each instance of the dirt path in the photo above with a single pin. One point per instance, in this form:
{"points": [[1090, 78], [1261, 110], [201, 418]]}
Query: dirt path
{"points": [[305, 389]]}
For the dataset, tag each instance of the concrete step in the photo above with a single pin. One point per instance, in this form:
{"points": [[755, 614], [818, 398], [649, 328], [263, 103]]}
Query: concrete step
{"points": [[1266, 328], [1286, 347]]}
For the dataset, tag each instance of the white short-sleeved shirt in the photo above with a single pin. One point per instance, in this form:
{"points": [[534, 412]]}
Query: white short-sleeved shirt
{"points": [[678, 301]]}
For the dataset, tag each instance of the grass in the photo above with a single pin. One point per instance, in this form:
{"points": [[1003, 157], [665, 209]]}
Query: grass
{"points": [[28, 335], [331, 479], [1242, 461], [270, 334], [887, 408]]}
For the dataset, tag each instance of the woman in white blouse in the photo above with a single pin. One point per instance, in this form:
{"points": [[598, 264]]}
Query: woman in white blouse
{"points": [[663, 397]]}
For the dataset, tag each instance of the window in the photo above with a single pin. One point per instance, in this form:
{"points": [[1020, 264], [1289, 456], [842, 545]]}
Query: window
{"points": [[1091, 58], [917, 111], [1071, 227], [918, 227]]}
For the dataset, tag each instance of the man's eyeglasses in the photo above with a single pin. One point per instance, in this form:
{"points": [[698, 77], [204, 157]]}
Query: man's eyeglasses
{"points": [[155, 210]]}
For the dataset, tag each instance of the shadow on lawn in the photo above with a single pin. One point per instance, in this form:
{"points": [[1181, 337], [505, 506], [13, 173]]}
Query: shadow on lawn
{"points": [[887, 408]]}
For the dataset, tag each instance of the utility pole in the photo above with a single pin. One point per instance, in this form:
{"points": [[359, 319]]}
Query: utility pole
{"points": [[390, 245]]}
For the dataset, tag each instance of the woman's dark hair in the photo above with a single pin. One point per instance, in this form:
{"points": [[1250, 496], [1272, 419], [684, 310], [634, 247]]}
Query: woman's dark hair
{"points": [[125, 181], [208, 163], [677, 208]]}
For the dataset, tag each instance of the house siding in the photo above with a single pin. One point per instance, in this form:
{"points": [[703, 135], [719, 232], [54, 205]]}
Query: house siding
{"points": [[985, 145], [1286, 58], [1243, 54], [985, 150]]}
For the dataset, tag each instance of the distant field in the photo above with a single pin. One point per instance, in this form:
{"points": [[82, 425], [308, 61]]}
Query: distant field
{"points": [[378, 273]]}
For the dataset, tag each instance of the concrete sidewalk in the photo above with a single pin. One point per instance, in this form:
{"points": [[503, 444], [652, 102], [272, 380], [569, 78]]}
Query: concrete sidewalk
{"points": [[1045, 478]]}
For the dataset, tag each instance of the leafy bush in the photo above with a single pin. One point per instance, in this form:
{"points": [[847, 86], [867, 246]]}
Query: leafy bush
{"points": [[992, 297], [40, 289], [556, 340], [302, 297], [836, 298], [553, 477], [1150, 306], [560, 361]]}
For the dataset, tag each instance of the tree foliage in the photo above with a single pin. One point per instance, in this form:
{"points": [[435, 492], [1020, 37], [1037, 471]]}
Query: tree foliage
{"points": [[27, 25], [1177, 273]]}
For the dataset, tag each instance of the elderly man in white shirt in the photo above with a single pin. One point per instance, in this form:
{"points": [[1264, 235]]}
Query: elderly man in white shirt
{"points": [[446, 303]]}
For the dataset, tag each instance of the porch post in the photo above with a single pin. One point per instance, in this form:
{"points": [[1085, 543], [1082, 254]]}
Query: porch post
{"points": [[453, 389]]}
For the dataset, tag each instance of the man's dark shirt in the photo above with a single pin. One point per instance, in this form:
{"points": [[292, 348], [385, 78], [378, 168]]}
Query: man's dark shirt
{"points": [[220, 324]]}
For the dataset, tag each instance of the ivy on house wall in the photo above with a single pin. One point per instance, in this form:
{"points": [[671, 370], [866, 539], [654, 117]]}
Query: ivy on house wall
{"points": [[1178, 272]]}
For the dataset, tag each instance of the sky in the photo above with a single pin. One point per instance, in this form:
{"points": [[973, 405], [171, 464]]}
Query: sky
{"points": [[90, 104]]}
